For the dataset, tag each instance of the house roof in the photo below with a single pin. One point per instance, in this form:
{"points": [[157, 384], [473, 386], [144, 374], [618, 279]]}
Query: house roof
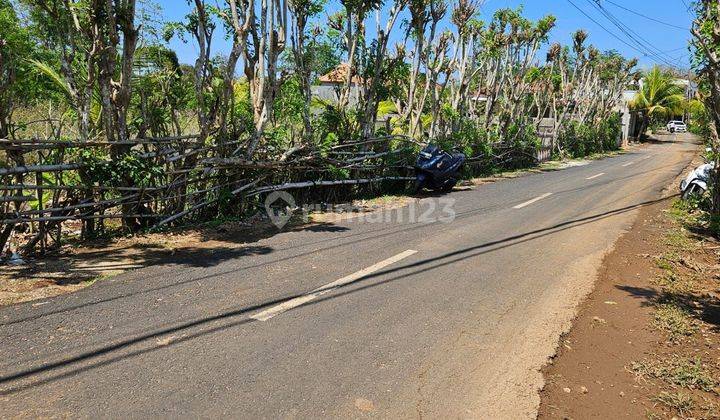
{"points": [[338, 75]]}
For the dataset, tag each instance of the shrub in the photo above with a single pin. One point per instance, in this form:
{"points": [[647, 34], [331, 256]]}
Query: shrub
{"points": [[580, 140]]}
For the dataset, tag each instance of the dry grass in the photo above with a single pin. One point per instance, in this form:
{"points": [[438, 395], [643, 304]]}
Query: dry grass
{"points": [[682, 403], [678, 371], [674, 320]]}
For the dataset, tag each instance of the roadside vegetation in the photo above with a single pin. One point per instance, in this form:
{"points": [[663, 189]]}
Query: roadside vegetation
{"points": [[645, 343], [102, 124], [659, 99], [686, 313], [706, 45]]}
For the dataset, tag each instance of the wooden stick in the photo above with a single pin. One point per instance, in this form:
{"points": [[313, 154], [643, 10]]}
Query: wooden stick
{"points": [[40, 168], [306, 184], [75, 187], [75, 217], [13, 198], [145, 140], [105, 203], [204, 204]]}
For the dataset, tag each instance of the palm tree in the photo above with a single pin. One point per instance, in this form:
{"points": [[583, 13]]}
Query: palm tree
{"points": [[659, 96]]}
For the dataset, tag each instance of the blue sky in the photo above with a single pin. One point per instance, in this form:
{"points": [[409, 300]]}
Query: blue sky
{"points": [[672, 42]]}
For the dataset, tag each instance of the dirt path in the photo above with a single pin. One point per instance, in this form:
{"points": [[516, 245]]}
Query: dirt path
{"points": [[646, 343]]}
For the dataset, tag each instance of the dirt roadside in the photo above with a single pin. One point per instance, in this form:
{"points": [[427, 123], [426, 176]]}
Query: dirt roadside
{"points": [[78, 265], [646, 342]]}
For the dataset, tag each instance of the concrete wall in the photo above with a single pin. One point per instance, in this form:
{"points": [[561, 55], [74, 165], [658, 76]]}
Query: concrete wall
{"points": [[328, 92], [628, 118]]}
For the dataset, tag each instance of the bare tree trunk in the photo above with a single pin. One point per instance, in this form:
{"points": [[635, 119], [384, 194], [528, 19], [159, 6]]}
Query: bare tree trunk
{"points": [[370, 106], [302, 69], [261, 59]]}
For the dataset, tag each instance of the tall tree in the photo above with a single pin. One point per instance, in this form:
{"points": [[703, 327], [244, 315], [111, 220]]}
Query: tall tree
{"points": [[659, 96], [706, 40], [375, 66], [262, 39], [115, 36], [15, 85], [64, 27], [301, 11]]}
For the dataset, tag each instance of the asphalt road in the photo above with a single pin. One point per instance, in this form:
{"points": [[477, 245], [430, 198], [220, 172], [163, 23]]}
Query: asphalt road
{"points": [[381, 317]]}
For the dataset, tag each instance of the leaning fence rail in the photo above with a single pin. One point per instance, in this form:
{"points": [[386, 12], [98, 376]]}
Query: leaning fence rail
{"points": [[48, 184]]}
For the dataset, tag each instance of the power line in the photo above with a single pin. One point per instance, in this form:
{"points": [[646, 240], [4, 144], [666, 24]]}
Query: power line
{"points": [[631, 34], [646, 17], [641, 51], [687, 6], [675, 49]]}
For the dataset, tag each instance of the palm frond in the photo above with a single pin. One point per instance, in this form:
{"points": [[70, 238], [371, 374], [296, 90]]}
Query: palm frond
{"points": [[53, 75]]}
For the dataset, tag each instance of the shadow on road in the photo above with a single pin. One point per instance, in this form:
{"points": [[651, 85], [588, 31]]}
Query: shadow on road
{"points": [[102, 356], [328, 244]]}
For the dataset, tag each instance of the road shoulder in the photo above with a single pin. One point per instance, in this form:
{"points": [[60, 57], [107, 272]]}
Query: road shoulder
{"points": [[645, 343]]}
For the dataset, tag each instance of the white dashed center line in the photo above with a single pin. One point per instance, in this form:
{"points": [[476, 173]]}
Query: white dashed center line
{"points": [[536, 199], [301, 300], [628, 164], [596, 176]]}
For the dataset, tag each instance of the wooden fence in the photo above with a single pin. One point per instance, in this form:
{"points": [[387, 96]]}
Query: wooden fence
{"points": [[51, 184], [162, 180]]}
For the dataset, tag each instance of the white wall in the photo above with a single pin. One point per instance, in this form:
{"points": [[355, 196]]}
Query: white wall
{"points": [[329, 93]]}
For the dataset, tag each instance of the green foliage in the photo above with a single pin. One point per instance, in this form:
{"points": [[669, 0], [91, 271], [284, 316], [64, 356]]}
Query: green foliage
{"points": [[699, 122], [521, 149], [579, 140], [338, 173], [161, 90], [659, 96], [18, 84], [131, 169], [334, 125], [166, 94], [470, 138], [385, 108], [678, 371]]}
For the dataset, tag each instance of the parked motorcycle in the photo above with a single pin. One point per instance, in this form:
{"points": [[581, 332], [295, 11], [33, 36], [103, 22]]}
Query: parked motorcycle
{"points": [[437, 170], [696, 183]]}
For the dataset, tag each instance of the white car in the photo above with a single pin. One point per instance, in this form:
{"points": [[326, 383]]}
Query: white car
{"points": [[677, 127]]}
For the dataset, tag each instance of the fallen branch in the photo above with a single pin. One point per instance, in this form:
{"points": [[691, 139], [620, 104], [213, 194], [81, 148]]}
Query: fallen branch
{"points": [[306, 184], [40, 168]]}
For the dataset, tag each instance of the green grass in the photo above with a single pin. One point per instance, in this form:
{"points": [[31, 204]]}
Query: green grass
{"points": [[682, 403], [678, 371], [664, 263], [385, 199], [674, 284], [678, 239], [674, 320], [687, 214], [653, 416], [603, 155], [94, 280]]}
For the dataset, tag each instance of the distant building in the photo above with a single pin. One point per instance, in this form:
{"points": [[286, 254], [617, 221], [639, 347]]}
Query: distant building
{"points": [[628, 118], [689, 86], [631, 119], [330, 84]]}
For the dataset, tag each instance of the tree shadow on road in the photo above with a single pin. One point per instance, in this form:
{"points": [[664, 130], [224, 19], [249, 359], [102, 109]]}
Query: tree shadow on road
{"points": [[146, 343], [203, 248]]}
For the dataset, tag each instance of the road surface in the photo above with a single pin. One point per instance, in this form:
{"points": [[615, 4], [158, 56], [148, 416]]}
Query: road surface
{"points": [[359, 318]]}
